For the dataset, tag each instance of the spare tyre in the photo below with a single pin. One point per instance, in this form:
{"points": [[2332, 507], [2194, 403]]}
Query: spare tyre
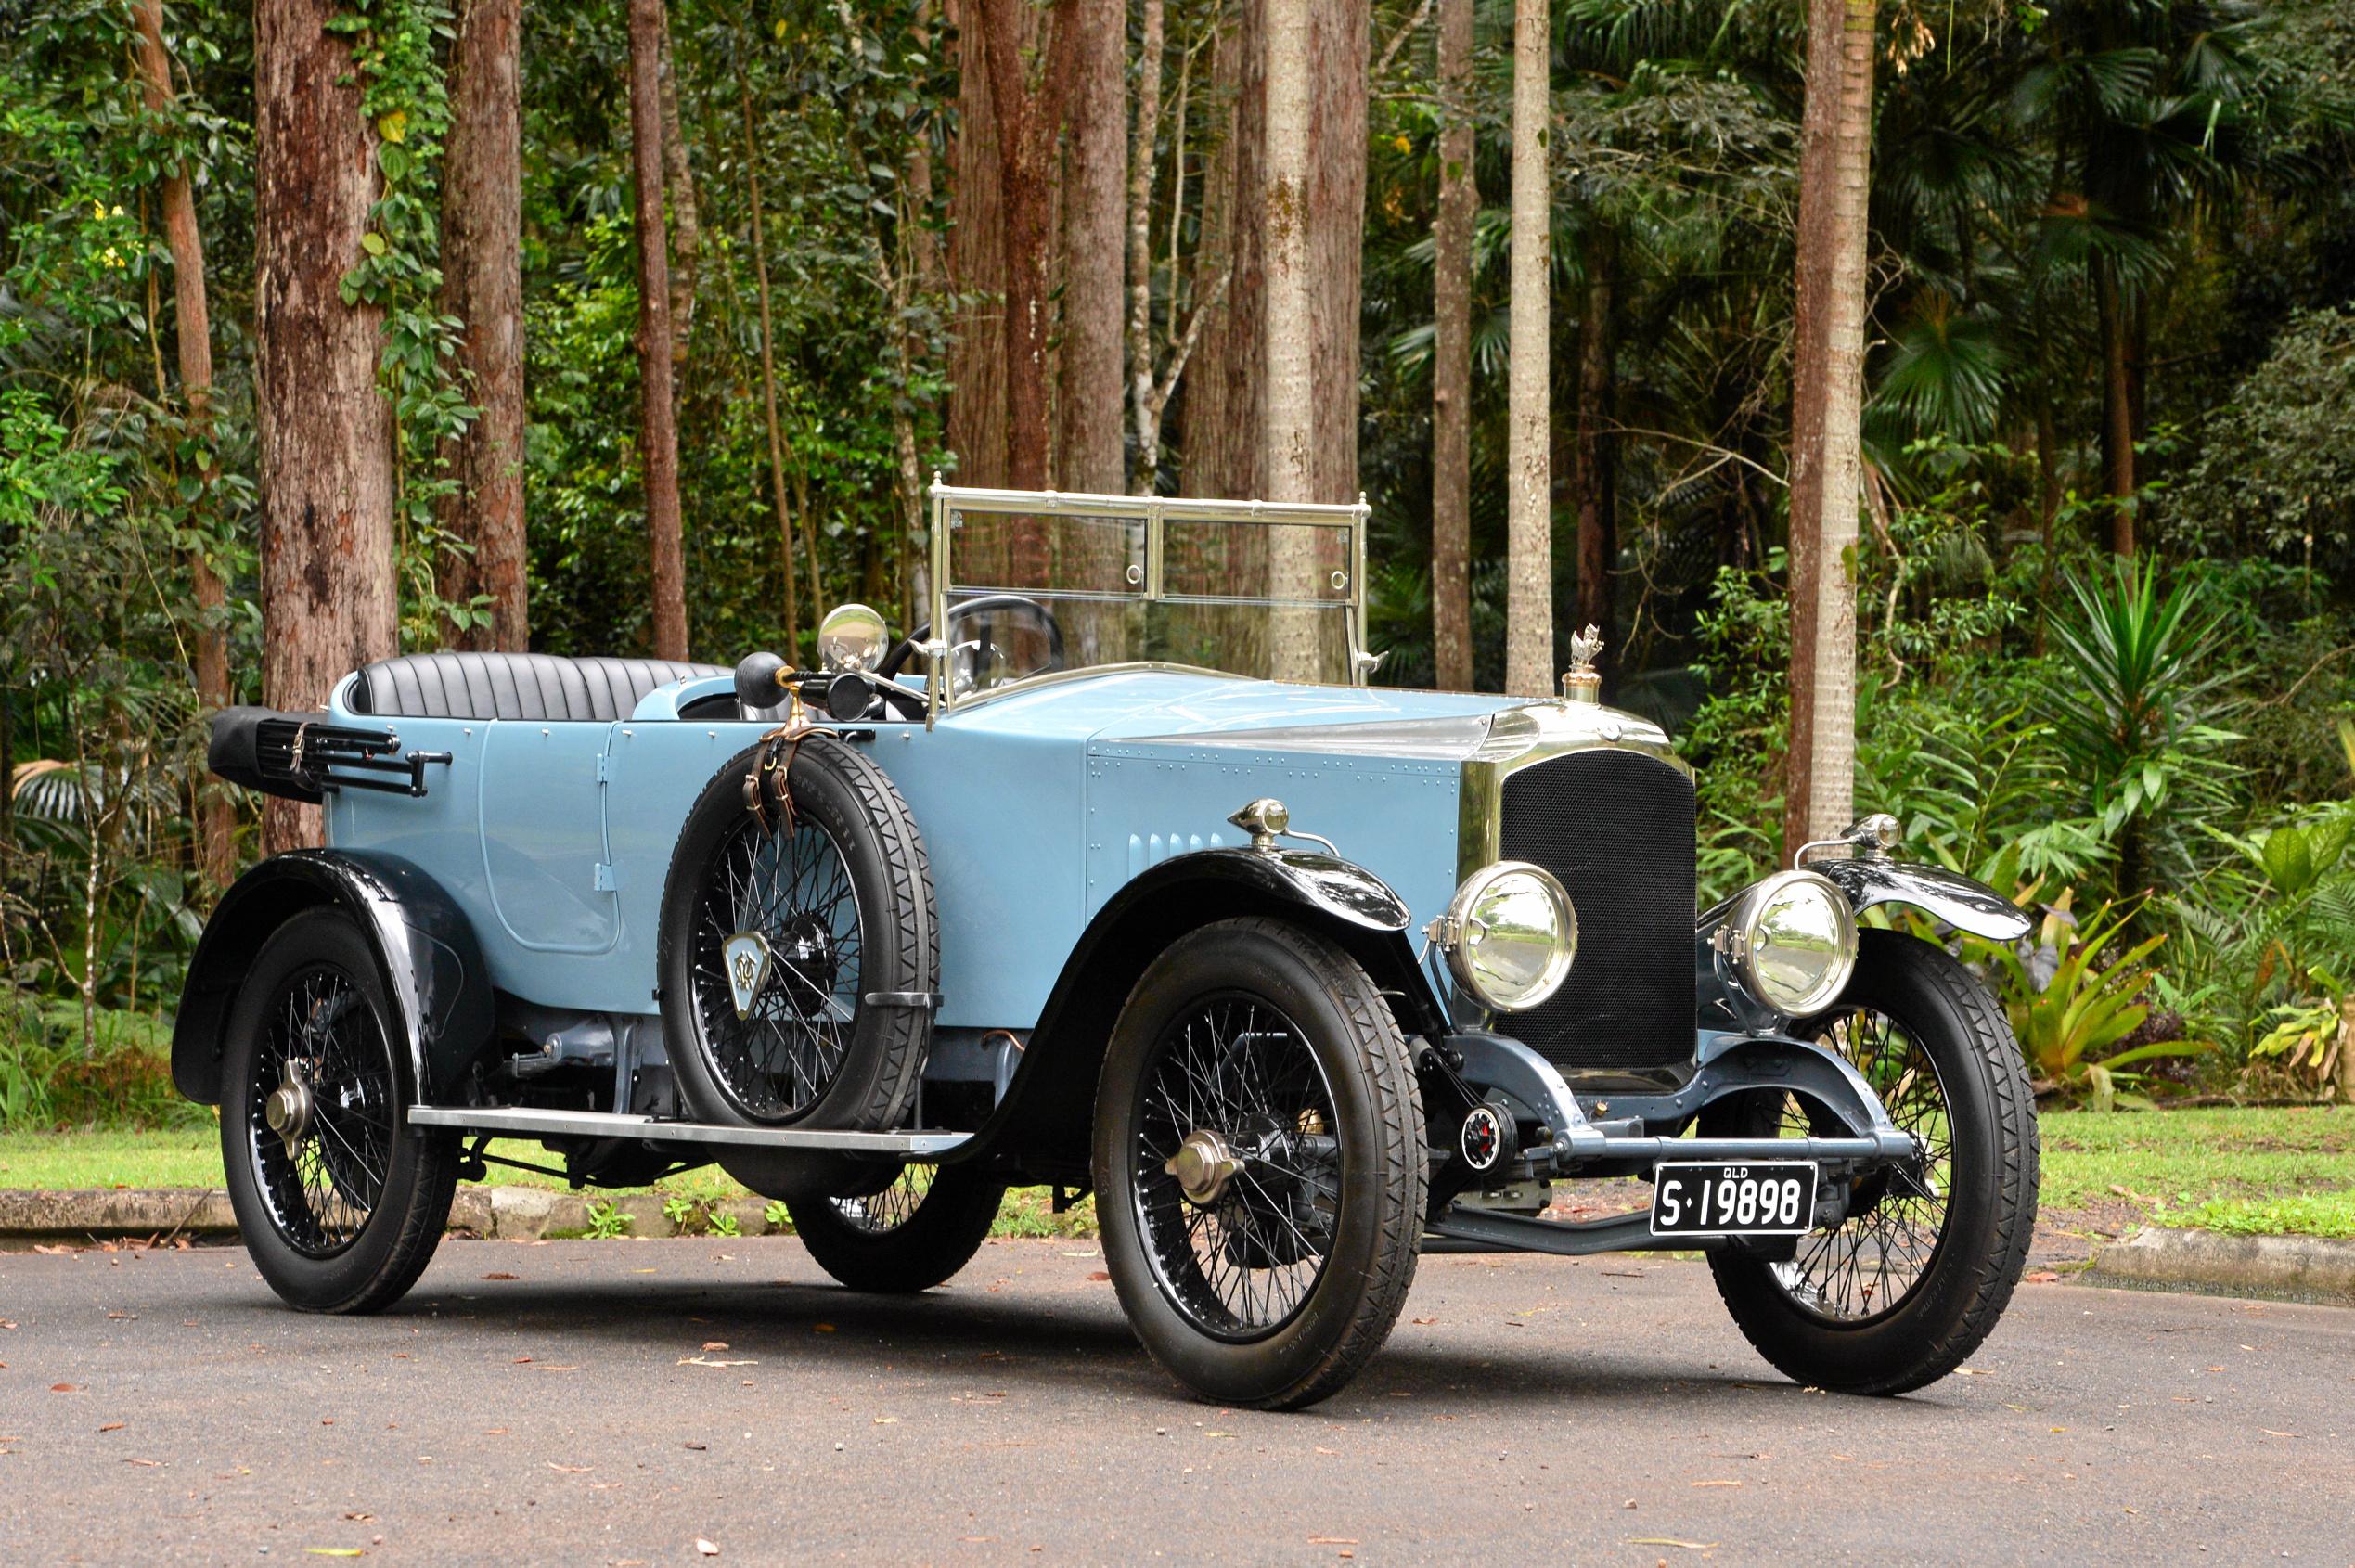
{"points": [[800, 948]]}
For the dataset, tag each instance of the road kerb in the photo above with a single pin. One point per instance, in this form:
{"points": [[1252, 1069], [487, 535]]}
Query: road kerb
{"points": [[2297, 1267], [497, 1213]]}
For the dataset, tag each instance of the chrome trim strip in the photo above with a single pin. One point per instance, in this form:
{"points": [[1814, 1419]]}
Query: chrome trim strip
{"points": [[533, 1123], [1533, 733]]}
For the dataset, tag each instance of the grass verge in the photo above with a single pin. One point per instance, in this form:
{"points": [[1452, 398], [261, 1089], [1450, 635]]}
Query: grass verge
{"points": [[2270, 1172]]}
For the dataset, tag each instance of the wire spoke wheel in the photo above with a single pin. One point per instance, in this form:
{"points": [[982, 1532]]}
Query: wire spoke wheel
{"points": [[320, 1111], [1868, 1264], [879, 1214], [778, 965], [1924, 1256], [1236, 1167]]}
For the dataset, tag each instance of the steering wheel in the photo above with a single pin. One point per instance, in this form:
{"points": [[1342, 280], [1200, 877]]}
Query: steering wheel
{"points": [[912, 644]]}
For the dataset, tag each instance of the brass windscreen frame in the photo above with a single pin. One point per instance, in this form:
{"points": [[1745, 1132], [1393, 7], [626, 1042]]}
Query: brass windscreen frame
{"points": [[1155, 511]]}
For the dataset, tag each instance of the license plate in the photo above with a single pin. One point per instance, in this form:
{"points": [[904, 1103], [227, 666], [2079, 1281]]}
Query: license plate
{"points": [[1776, 1198]]}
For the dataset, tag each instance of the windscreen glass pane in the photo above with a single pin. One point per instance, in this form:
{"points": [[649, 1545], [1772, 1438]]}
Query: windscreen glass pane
{"points": [[1032, 593]]}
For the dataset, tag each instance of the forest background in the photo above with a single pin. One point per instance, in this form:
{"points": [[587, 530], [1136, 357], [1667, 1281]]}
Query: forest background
{"points": [[2104, 561]]}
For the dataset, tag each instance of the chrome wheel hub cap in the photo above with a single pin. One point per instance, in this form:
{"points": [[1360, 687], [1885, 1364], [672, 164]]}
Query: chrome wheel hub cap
{"points": [[288, 1111], [1204, 1166]]}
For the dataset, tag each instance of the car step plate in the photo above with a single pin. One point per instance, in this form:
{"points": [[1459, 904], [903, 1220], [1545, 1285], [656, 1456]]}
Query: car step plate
{"points": [[1761, 1198], [533, 1123]]}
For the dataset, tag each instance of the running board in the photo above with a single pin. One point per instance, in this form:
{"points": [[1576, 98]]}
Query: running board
{"points": [[524, 1122]]}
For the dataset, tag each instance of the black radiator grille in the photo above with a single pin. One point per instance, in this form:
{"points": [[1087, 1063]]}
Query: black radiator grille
{"points": [[1616, 827]]}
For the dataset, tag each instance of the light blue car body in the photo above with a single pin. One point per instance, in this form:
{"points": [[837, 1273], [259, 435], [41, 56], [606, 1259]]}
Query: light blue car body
{"points": [[1035, 807]]}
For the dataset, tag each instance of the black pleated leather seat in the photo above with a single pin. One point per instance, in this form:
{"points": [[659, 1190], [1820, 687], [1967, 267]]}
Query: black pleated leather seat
{"points": [[513, 686]]}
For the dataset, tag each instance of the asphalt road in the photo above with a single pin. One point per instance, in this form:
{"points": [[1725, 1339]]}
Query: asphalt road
{"points": [[613, 1402]]}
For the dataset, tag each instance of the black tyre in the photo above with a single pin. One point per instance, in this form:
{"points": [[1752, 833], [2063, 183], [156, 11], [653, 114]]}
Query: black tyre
{"points": [[910, 1236], [1910, 1282], [340, 1202], [827, 902], [1259, 1165]]}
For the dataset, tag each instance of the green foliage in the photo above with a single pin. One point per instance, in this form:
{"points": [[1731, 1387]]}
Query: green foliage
{"points": [[2075, 998], [606, 1221], [2143, 681], [50, 1079]]}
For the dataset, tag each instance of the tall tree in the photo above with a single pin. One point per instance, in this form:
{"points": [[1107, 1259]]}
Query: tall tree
{"points": [[1451, 357], [1088, 447], [657, 448], [1224, 421], [976, 262], [324, 428], [216, 817], [1529, 457], [482, 287], [1596, 468], [1025, 47], [687, 223], [768, 369], [1290, 410], [1827, 411]]}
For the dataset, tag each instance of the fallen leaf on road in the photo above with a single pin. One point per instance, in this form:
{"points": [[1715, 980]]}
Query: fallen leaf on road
{"points": [[1097, 1276], [703, 1361], [546, 1367], [336, 1551], [821, 1328], [1716, 1484], [113, 1426], [6, 1323], [1332, 1540], [149, 1463], [698, 1447], [502, 1275], [119, 1317], [1669, 1541], [714, 1344], [567, 1469], [523, 1361], [706, 1548], [2271, 1432], [65, 1388], [1425, 1323], [886, 1421], [2042, 1276]]}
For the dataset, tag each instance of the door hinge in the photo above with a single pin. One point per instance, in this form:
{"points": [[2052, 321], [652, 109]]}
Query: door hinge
{"points": [[608, 879], [604, 767]]}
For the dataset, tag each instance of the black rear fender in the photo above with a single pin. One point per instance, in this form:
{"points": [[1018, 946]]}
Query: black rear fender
{"points": [[1044, 1123], [426, 953]]}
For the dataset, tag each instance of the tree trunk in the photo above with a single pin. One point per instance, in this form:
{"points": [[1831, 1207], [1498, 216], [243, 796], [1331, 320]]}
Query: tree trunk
{"points": [[1340, 58], [1451, 358], [1291, 412], [1151, 41], [1826, 417], [217, 816], [976, 265], [1089, 451], [482, 286], [2118, 408], [1529, 518], [768, 376], [686, 224], [325, 429], [658, 449], [1027, 71], [1597, 465], [1220, 424]]}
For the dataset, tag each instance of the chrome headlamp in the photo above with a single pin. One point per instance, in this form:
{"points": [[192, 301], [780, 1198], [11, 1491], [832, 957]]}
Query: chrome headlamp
{"points": [[1792, 942], [851, 638], [1509, 935]]}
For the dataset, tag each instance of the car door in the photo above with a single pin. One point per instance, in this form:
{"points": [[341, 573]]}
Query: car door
{"points": [[543, 815]]}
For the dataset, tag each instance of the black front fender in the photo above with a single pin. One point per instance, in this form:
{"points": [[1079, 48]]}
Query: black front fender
{"points": [[1960, 902], [1044, 1121], [426, 953]]}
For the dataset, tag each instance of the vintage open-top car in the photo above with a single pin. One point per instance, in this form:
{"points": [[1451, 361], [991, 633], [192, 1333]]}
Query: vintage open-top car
{"points": [[1115, 877]]}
